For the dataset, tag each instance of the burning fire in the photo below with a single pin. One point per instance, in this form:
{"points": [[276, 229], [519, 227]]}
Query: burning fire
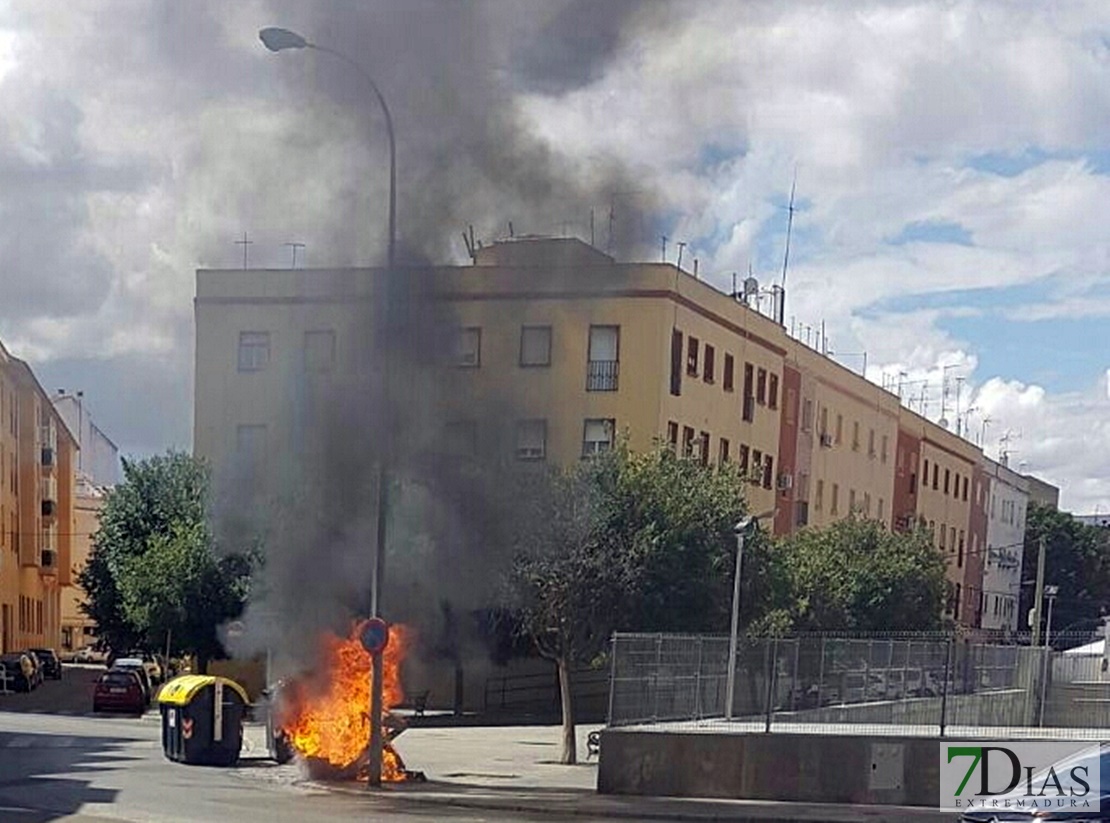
{"points": [[326, 715]]}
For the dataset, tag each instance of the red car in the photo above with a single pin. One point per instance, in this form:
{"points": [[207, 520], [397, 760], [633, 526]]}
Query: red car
{"points": [[119, 691]]}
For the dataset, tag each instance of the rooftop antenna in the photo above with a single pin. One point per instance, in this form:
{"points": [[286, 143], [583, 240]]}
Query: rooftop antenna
{"points": [[681, 246], [789, 228], [695, 268], [244, 243], [294, 246], [664, 248], [734, 293], [592, 243], [609, 244], [512, 234]]}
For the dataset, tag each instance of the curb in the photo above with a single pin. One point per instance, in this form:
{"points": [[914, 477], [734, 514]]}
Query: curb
{"points": [[640, 808]]}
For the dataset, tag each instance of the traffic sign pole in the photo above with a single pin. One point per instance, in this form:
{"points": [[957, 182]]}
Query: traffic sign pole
{"points": [[375, 637]]}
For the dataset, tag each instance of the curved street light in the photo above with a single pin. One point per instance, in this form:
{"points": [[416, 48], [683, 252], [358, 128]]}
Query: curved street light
{"points": [[279, 39]]}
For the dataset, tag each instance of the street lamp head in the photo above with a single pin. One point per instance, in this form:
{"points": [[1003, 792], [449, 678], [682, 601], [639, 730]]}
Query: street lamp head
{"points": [[1051, 591], [276, 39], [752, 519]]}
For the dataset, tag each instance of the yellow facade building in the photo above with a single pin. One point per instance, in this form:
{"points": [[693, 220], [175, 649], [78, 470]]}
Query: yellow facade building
{"points": [[37, 465], [558, 349]]}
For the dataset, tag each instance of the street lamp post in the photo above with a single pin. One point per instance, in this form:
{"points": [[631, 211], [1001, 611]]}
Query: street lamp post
{"points": [[278, 39], [741, 531], [1050, 593]]}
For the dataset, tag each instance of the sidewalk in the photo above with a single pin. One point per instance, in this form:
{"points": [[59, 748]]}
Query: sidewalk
{"points": [[513, 769]]}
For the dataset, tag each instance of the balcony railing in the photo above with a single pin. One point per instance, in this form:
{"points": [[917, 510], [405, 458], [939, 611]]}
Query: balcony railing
{"points": [[602, 375]]}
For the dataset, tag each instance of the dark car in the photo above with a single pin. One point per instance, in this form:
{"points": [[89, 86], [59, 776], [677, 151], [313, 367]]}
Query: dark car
{"points": [[1011, 815], [134, 664], [51, 664], [119, 690], [17, 671]]}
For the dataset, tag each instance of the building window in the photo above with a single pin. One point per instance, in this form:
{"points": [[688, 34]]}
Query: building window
{"points": [[867, 504], [960, 551], [768, 472], [818, 497], [603, 368], [703, 449], [676, 362], [807, 414], [710, 362], [723, 452], [672, 435], [925, 472], [757, 466], [319, 351], [835, 503], [839, 428], [535, 345], [964, 495], [883, 453], [852, 501], [531, 439], [947, 480], [597, 436], [952, 535], [761, 387], [956, 610], [936, 474], [791, 406], [730, 367], [943, 534], [913, 482], [855, 435], [871, 443], [461, 438], [748, 412], [692, 356], [468, 347], [773, 391], [687, 441], [881, 513], [742, 459], [254, 351]]}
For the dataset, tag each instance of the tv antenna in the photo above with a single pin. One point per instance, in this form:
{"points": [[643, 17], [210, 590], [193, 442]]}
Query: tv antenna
{"points": [[245, 243], [294, 247], [789, 230]]}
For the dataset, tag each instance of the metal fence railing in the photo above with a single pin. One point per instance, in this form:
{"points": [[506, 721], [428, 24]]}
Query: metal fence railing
{"points": [[908, 683]]}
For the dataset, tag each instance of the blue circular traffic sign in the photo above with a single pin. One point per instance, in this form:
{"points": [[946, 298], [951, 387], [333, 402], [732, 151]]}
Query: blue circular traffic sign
{"points": [[374, 635]]}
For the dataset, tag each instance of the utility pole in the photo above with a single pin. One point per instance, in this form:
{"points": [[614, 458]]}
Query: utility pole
{"points": [[1039, 596]]}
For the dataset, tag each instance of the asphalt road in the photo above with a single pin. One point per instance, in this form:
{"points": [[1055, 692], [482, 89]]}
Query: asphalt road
{"points": [[106, 769]]}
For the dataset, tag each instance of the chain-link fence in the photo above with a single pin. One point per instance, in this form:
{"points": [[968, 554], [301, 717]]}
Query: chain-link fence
{"points": [[911, 683]]}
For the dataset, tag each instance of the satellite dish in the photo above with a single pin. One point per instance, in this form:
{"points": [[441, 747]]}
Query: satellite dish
{"points": [[943, 422]]}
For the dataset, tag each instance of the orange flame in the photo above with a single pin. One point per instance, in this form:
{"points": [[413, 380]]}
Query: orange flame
{"points": [[326, 716]]}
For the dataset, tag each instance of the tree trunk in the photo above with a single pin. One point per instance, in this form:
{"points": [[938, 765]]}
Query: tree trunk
{"points": [[570, 743]]}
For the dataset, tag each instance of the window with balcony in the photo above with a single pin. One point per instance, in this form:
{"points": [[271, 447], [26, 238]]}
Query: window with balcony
{"points": [[597, 436], [603, 368], [676, 362], [672, 435], [319, 350], [254, 350], [687, 441], [710, 363], [468, 347], [535, 346], [692, 356], [531, 439], [730, 368]]}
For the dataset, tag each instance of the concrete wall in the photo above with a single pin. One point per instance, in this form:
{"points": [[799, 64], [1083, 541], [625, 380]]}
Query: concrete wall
{"points": [[805, 768], [1078, 705]]}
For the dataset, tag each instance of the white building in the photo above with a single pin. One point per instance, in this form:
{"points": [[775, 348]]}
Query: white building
{"points": [[1006, 510], [98, 459]]}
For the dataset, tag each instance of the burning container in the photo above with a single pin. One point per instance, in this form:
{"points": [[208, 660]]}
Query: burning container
{"points": [[202, 719]]}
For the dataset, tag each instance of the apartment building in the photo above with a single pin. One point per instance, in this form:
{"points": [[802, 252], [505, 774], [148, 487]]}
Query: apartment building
{"points": [[585, 349], [1006, 507], [37, 461]]}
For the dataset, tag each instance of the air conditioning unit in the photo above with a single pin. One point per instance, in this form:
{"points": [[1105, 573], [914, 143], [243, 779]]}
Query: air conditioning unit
{"points": [[826, 440], [785, 481]]}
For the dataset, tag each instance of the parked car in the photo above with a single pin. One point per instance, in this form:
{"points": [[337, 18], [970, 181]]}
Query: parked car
{"points": [[134, 664], [153, 668], [17, 671], [51, 664], [120, 690], [88, 655]]}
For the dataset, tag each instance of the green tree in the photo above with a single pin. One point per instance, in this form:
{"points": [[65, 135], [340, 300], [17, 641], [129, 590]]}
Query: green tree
{"points": [[632, 541], [154, 572], [857, 575], [1077, 559]]}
